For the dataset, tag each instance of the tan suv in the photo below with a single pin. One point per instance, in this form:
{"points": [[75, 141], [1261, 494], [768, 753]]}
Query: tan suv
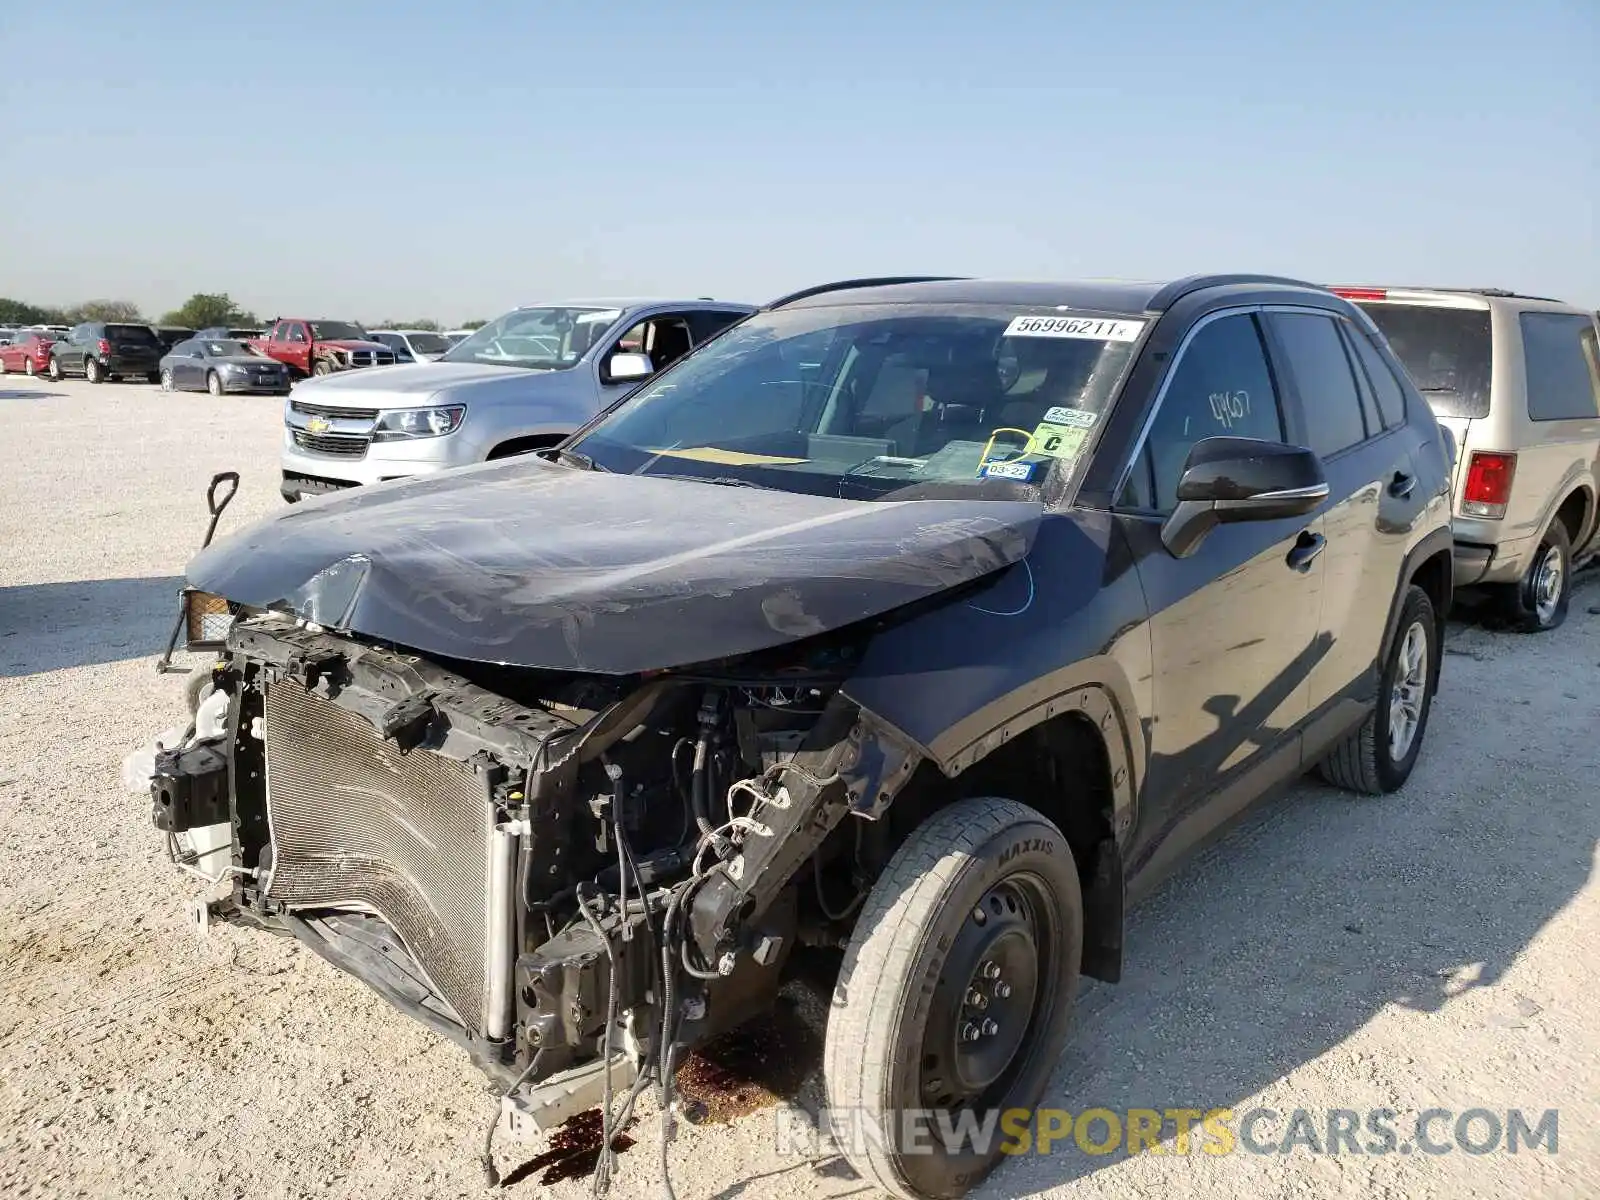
{"points": [[1516, 380]]}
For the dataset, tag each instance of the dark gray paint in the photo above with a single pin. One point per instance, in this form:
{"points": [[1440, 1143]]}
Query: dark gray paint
{"points": [[535, 565]]}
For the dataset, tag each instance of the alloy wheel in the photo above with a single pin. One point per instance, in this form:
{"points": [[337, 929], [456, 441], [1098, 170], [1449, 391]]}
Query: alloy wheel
{"points": [[1408, 692]]}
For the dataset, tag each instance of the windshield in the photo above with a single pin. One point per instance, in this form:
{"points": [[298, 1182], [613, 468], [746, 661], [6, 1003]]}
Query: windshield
{"points": [[427, 343], [1446, 351], [338, 331], [219, 349], [539, 338], [864, 402]]}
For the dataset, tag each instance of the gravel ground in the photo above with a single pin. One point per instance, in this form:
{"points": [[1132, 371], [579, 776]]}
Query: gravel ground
{"points": [[1435, 948]]}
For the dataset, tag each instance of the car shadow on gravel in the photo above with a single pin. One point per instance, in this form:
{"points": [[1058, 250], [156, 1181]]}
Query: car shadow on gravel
{"points": [[52, 626], [1318, 913], [29, 394]]}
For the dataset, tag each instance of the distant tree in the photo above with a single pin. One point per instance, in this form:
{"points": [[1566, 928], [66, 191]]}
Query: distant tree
{"points": [[19, 312], [105, 310], [429, 325], [478, 324], [204, 309]]}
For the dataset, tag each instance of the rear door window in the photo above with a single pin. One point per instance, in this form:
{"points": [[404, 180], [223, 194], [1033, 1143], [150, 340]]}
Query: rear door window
{"points": [[1448, 352], [1563, 368], [1321, 372]]}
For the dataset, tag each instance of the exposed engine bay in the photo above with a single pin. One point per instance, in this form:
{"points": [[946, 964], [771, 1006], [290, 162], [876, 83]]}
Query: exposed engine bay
{"points": [[558, 871]]}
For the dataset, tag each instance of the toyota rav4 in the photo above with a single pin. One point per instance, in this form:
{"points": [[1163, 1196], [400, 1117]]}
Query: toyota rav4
{"points": [[929, 619]]}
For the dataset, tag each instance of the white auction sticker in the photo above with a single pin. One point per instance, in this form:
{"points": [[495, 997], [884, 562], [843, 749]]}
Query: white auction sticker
{"points": [[1098, 329], [1076, 417]]}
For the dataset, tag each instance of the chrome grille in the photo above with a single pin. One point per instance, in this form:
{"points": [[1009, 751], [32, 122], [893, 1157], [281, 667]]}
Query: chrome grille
{"points": [[344, 445], [356, 824], [325, 410], [371, 358]]}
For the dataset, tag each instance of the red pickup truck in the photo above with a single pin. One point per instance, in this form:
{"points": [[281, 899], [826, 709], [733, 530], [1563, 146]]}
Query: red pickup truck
{"points": [[321, 347]]}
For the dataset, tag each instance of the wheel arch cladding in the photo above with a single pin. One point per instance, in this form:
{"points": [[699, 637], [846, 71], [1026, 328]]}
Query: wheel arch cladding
{"points": [[1068, 761]]}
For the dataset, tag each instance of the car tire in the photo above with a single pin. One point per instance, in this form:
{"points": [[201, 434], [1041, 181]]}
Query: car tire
{"points": [[1378, 757], [4, 370], [165, 379], [28, 368], [1538, 602], [982, 897], [213, 383], [55, 369], [152, 376], [91, 371], [321, 367]]}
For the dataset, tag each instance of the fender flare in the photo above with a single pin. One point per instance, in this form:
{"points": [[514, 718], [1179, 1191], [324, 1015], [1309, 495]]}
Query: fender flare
{"points": [[1432, 543]]}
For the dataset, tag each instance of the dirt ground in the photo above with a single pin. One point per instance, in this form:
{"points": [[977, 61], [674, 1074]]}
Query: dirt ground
{"points": [[1435, 948]]}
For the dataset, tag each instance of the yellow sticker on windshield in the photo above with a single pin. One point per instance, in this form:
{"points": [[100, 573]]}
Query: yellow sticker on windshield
{"points": [[1057, 441]]}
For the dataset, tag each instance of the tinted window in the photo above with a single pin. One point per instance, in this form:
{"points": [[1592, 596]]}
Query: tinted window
{"points": [[1321, 371], [1220, 387], [706, 325], [1446, 351], [1390, 395], [1562, 365], [128, 335]]}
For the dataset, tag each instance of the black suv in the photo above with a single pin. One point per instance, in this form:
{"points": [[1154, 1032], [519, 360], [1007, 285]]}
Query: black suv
{"points": [[101, 350], [926, 619]]}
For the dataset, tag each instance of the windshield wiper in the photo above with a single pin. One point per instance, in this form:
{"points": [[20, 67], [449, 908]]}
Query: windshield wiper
{"points": [[571, 458], [1448, 390], [719, 480]]}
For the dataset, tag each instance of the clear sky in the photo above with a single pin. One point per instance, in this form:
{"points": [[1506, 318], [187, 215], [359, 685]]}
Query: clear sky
{"points": [[404, 159]]}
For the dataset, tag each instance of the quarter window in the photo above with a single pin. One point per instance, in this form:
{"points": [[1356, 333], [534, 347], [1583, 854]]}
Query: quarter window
{"points": [[1562, 366], [1320, 369], [1220, 387], [1385, 387]]}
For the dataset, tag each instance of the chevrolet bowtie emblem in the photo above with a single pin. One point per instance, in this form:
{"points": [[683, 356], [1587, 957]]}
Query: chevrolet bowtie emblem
{"points": [[318, 425]]}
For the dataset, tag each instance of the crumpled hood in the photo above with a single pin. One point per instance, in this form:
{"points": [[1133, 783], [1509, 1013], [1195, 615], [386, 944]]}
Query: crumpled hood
{"points": [[536, 565]]}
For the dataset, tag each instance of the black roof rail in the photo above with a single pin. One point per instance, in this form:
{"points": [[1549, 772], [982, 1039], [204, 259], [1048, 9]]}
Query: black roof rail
{"points": [[1171, 293], [845, 285]]}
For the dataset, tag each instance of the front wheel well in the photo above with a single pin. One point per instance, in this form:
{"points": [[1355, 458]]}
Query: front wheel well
{"points": [[522, 445], [1061, 769]]}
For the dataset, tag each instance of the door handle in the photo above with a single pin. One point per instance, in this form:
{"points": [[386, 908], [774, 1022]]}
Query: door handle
{"points": [[1305, 550], [1402, 485]]}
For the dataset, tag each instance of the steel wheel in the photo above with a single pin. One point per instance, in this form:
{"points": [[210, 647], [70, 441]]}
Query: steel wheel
{"points": [[976, 1028], [1408, 691], [213, 383], [91, 370], [1548, 577], [166, 379], [28, 368], [55, 368]]}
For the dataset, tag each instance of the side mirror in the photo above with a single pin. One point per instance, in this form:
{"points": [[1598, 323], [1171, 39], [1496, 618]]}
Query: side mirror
{"points": [[623, 367], [1229, 479]]}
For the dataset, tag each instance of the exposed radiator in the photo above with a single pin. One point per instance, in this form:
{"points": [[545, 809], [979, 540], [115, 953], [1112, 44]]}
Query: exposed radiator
{"points": [[357, 824]]}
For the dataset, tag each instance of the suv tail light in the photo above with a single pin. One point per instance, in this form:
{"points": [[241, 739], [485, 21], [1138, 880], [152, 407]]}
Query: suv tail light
{"points": [[1488, 484], [104, 347]]}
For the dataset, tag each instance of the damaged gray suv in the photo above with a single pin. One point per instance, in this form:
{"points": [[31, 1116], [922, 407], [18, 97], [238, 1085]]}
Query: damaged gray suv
{"points": [[929, 619]]}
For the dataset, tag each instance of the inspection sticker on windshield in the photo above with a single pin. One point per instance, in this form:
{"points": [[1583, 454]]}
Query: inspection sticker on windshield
{"points": [[1058, 441], [1093, 328], [1008, 470], [1075, 417]]}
